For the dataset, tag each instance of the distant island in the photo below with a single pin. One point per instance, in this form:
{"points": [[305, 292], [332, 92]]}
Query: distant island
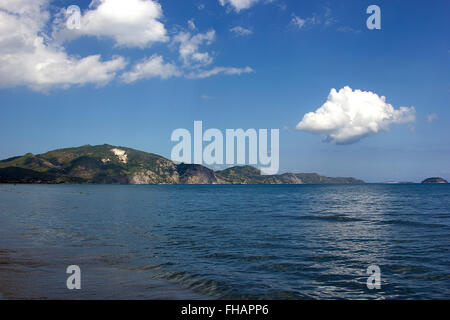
{"points": [[107, 164], [434, 180]]}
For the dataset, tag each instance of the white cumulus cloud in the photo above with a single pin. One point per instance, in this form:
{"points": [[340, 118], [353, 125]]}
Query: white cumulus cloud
{"points": [[350, 115], [131, 23], [28, 56]]}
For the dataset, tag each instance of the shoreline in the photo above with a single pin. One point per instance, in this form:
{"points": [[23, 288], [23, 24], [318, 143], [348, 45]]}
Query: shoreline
{"points": [[23, 277], [28, 272]]}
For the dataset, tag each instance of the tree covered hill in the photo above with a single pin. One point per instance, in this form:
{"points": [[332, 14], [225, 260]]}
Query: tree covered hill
{"points": [[107, 164]]}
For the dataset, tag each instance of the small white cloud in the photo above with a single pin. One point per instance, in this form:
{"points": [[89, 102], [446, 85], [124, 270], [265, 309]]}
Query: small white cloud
{"points": [[131, 23], [220, 70], [191, 24], [432, 117], [282, 5], [324, 19], [189, 48], [195, 61], [239, 5], [328, 17], [151, 68], [298, 22], [348, 29], [206, 97], [350, 115], [201, 6], [241, 31]]}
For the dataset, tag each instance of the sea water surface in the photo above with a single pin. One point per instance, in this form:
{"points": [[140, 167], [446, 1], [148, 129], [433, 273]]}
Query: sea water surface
{"points": [[235, 242]]}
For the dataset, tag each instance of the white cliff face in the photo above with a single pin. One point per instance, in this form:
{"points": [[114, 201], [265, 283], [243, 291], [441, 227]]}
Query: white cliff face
{"points": [[121, 154]]}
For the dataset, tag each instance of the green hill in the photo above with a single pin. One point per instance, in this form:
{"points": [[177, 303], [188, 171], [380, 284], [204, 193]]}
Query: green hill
{"points": [[434, 180], [251, 175], [107, 164]]}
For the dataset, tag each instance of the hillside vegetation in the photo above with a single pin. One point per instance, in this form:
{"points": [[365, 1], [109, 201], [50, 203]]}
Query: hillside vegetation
{"points": [[107, 164]]}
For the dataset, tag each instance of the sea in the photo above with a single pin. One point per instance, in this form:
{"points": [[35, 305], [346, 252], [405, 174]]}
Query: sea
{"points": [[225, 242]]}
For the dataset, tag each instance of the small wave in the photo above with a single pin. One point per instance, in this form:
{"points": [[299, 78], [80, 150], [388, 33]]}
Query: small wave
{"points": [[337, 218], [406, 269], [325, 258], [150, 267], [257, 258], [412, 223], [438, 277], [269, 295], [220, 255], [284, 267], [195, 282], [228, 256]]}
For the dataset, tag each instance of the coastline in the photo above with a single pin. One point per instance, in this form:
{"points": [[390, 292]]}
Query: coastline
{"points": [[222, 184]]}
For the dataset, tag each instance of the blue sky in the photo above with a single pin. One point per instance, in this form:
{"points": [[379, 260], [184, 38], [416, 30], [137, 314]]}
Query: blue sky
{"points": [[268, 75]]}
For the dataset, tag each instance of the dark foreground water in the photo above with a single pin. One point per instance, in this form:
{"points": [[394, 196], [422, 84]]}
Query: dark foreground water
{"points": [[188, 242]]}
